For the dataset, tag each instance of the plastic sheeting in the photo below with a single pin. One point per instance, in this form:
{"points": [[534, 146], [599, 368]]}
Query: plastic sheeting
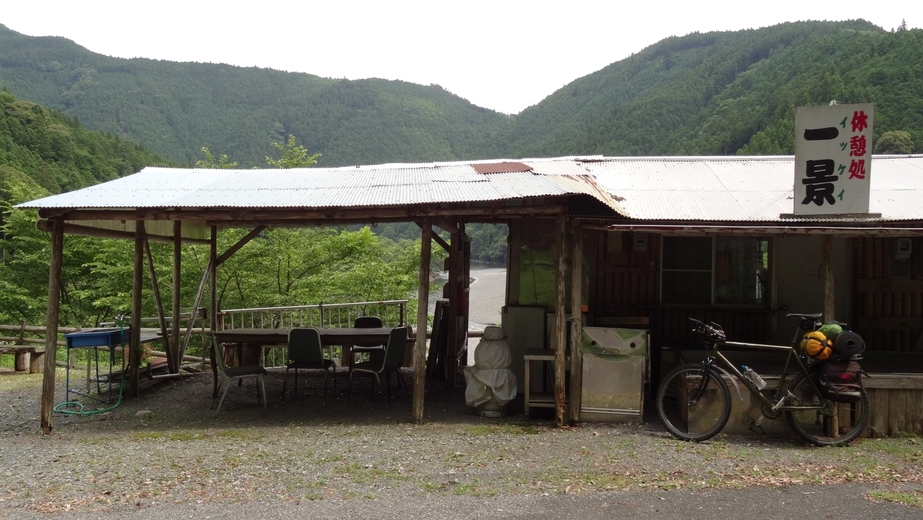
{"points": [[490, 379]]}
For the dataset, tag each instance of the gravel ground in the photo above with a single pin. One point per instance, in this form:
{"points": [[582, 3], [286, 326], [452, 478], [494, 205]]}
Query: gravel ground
{"points": [[167, 448]]}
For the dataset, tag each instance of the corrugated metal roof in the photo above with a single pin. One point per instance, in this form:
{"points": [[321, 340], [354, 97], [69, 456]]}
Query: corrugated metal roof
{"points": [[388, 185], [743, 188], [717, 189]]}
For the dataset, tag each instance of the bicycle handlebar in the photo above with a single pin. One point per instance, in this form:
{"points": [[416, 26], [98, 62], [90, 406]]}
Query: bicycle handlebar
{"points": [[711, 333]]}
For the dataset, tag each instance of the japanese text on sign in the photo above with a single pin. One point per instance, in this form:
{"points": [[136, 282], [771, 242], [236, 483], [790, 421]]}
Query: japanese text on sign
{"points": [[832, 159]]}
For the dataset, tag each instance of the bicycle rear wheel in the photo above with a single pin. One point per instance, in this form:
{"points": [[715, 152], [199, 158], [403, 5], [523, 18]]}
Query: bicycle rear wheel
{"points": [[832, 424], [693, 405]]}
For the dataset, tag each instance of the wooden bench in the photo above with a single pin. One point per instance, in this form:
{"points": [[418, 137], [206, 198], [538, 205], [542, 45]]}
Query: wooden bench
{"points": [[26, 357]]}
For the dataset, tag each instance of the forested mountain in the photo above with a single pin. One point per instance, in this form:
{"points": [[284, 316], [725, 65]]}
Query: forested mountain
{"points": [[175, 109], [701, 94], [46, 148], [729, 93]]}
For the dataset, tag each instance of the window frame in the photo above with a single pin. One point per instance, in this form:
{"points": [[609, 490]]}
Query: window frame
{"points": [[713, 270]]}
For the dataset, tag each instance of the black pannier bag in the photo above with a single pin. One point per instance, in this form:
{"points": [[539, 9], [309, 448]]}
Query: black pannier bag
{"points": [[841, 381]]}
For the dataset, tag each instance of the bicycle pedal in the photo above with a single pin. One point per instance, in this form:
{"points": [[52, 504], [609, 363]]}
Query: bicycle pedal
{"points": [[756, 428]]}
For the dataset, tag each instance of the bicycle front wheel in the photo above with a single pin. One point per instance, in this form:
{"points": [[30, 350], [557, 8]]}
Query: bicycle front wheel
{"points": [[693, 404], [830, 423]]}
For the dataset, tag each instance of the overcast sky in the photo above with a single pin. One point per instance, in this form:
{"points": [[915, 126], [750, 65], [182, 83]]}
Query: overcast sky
{"points": [[501, 54]]}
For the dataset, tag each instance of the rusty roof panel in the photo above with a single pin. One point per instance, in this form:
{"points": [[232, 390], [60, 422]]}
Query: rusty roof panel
{"points": [[501, 167]]}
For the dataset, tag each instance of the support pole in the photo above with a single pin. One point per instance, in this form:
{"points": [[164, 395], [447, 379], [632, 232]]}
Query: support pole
{"points": [[576, 326], [134, 349], [51, 323], [173, 342], [832, 423], [454, 294], [829, 286], [560, 321], [213, 304], [419, 349]]}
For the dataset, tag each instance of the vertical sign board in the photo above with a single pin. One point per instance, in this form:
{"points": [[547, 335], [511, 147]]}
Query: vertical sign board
{"points": [[833, 159]]}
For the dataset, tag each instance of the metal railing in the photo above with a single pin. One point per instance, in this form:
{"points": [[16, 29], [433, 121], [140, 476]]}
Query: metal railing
{"points": [[393, 313]]}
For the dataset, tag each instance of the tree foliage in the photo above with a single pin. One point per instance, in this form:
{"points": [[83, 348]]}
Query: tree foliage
{"points": [[209, 162], [279, 267], [894, 142], [293, 155]]}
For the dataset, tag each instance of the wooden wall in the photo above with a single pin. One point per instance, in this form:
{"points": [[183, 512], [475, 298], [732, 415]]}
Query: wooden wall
{"points": [[624, 281], [889, 295]]}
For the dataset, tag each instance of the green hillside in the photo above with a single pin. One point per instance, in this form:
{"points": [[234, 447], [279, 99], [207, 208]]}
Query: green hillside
{"points": [[175, 109], [701, 94], [46, 148], [728, 93]]}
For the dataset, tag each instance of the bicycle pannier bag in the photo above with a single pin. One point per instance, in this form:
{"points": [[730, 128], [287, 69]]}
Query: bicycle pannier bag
{"points": [[841, 381], [816, 345]]}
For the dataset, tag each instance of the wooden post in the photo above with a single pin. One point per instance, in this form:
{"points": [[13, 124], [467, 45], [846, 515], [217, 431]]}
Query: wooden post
{"points": [[419, 349], [829, 289], [172, 362], [134, 349], [576, 326], [173, 342], [453, 290], [832, 423], [51, 323], [213, 304], [560, 321]]}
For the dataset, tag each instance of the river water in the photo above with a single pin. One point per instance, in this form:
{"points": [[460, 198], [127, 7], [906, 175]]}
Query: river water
{"points": [[485, 296]]}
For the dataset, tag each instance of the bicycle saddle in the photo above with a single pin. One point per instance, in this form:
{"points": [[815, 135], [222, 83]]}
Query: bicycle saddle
{"points": [[812, 316]]}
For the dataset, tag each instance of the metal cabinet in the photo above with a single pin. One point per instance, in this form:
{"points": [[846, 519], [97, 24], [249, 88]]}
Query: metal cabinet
{"points": [[614, 372]]}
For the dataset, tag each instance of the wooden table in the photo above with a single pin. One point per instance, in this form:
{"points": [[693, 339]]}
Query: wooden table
{"points": [[267, 338], [337, 336]]}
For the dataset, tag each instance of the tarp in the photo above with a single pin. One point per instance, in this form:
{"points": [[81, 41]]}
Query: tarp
{"points": [[490, 379]]}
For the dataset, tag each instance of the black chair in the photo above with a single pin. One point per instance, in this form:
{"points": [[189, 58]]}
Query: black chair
{"points": [[374, 351], [390, 362], [305, 351]]}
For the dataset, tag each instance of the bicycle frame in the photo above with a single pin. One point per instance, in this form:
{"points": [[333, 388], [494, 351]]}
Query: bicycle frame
{"points": [[776, 404], [688, 389]]}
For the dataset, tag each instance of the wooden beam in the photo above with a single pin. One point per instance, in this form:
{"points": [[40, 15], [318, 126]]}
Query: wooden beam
{"points": [[576, 325], [875, 229], [302, 215], [172, 362], [89, 231], [51, 324], [560, 321], [442, 243], [419, 350], [240, 243]]}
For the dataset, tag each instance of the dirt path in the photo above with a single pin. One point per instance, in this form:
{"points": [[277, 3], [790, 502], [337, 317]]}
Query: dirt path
{"points": [[167, 448]]}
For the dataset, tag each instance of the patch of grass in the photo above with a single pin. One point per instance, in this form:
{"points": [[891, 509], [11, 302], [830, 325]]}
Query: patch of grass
{"points": [[904, 446], [186, 436], [232, 434], [912, 498], [18, 381], [430, 487], [140, 436]]}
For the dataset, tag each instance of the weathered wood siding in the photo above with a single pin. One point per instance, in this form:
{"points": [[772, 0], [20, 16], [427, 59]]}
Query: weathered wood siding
{"points": [[889, 295], [624, 281]]}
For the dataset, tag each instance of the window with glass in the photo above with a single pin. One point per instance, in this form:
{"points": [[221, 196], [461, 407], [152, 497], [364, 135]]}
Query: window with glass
{"points": [[714, 270]]}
